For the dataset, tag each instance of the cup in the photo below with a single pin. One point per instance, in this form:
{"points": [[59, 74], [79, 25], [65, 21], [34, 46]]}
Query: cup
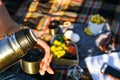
{"points": [[30, 62], [95, 28], [74, 72], [96, 23]]}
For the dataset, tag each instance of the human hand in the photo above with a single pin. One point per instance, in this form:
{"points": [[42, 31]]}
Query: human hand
{"points": [[45, 62]]}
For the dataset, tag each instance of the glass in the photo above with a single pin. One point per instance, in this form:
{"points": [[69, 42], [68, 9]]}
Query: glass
{"points": [[74, 72]]}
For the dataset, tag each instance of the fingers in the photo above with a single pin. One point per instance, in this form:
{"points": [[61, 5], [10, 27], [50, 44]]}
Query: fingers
{"points": [[45, 66], [48, 61], [50, 71], [42, 72]]}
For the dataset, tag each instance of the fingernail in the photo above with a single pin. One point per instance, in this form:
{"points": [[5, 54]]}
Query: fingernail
{"points": [[52, 72], [41, 72]]}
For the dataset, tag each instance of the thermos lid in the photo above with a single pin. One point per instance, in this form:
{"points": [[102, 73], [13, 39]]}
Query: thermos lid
{"points": [[54, 24], [26, 39]]}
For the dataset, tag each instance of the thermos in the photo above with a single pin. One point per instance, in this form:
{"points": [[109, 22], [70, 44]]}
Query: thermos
{"points": [[15, 46], [53, 27]]}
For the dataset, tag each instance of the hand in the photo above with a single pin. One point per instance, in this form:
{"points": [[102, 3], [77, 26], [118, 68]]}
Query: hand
{"points": [[45, 66], [45, 62]]}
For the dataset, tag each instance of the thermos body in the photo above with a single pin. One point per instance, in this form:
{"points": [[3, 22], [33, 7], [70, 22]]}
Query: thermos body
{"points": [[15, 46], [7, 54]]}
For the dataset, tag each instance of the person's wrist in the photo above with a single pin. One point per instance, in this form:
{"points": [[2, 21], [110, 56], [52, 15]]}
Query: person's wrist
{"points": [[10, 31], [0, 2], [14, 29]]}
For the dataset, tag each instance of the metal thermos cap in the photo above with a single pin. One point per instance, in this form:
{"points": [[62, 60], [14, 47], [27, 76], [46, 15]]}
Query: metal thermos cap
{"points": [[26, 39]]}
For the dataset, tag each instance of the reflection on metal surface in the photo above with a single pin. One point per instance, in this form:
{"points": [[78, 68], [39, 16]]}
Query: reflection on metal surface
{"points": [[30, 62], [14, 47]]}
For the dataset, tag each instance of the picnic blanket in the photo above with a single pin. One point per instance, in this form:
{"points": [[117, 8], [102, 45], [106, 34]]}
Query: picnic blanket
{"points": [[38, 13]]}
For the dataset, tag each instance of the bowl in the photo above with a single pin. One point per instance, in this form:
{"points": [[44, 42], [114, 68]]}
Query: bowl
{"points": [[70, 57]]}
